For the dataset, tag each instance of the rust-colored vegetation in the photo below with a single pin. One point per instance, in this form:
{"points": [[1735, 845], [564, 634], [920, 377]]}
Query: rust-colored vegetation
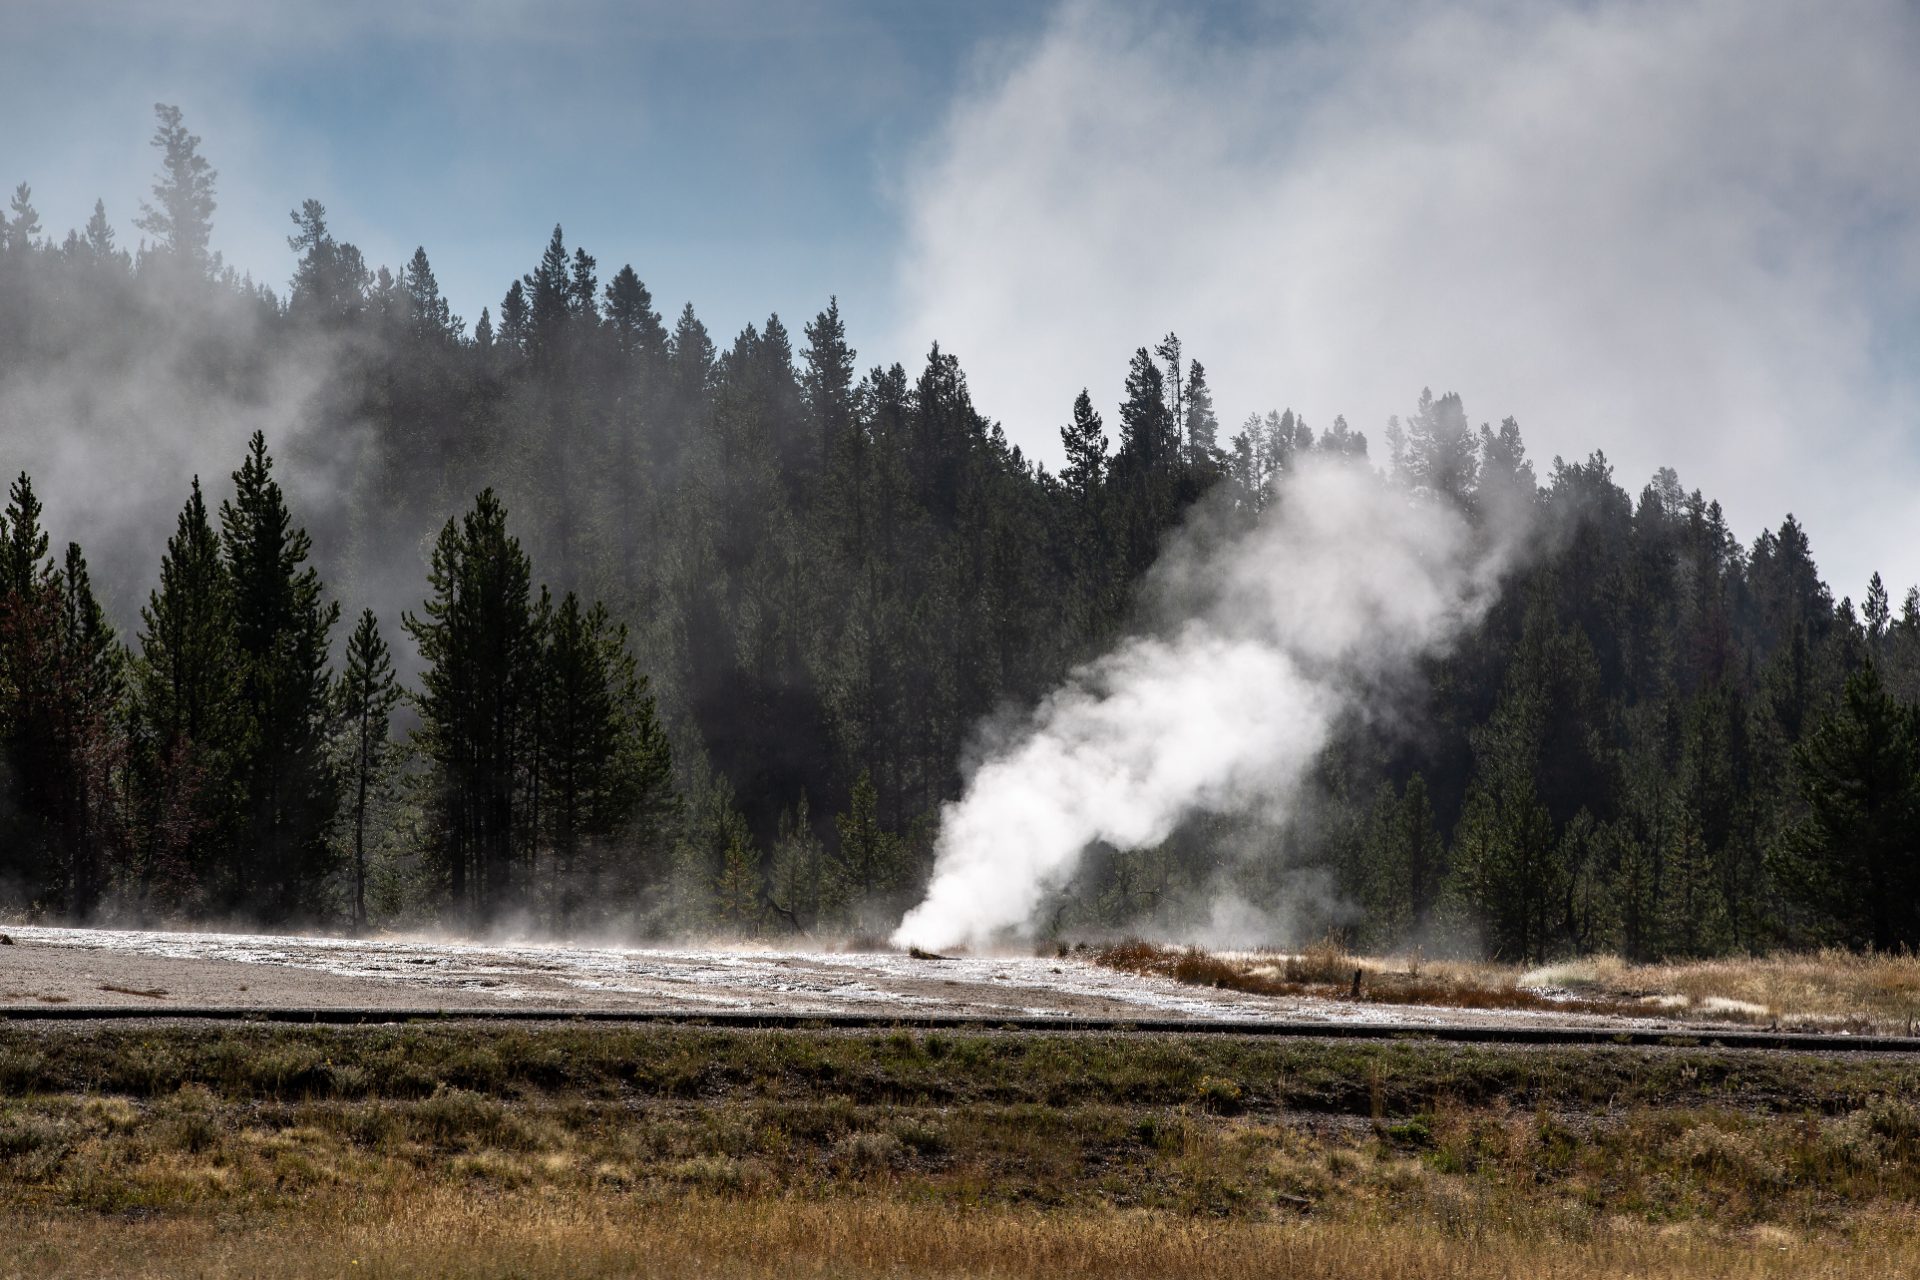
{"points": [[1326, 970]]}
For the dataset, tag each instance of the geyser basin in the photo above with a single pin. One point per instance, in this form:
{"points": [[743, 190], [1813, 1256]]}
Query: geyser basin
{"points": [[158, 970]]}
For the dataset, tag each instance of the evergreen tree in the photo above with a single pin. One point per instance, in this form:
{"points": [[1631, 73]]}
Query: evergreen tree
{"points": [[514, 324], [826, 382], [1147, 429], [429, 316], [868, 866], [478, 643], [1854, 859], [1405, 863], [1343, 440], [181, 219], [22, 224], [692, 354], [331, 283], [88, 738], [582, 287], [1440, 447], [737, 900], [1202, 425], [29, 656], [1085, 443], [282, 630], [1505, 870], [797, 889], [1168, 355], [605, 760], [187, 724], [98, 240], [549, 295], [367, 694], [636, 325]]}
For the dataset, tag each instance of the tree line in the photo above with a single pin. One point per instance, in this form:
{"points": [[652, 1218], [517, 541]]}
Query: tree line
{"points": [[780, 594]]}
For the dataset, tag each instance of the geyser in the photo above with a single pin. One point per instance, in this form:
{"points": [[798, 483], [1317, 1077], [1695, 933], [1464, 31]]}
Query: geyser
{"points": [[1346, 579]]}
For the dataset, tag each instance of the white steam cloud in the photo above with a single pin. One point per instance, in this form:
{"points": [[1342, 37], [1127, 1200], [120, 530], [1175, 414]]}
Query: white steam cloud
{"points": [[1345, 581], [1686, 232]]}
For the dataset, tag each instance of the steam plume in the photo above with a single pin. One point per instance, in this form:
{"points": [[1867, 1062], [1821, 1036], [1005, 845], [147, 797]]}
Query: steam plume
{"points": [[1346, 580]]}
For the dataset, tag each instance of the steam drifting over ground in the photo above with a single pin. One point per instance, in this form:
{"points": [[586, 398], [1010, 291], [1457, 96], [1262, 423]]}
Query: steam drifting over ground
{"points": [[1345, 581]]}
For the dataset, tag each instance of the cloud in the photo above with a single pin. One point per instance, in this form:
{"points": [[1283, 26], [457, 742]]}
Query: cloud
{"points": [[1687, 233]]}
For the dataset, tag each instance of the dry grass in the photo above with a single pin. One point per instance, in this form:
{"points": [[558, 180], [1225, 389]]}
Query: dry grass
{"points": [[471, 1151], [1816, 991], [1819, 990], [529, 1236], [1328, 972]]}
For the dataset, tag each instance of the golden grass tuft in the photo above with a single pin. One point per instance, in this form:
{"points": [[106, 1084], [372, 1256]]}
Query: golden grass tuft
{"points": [[1327, 971], [697, 1236], [1817, 991], [1814, 990]]}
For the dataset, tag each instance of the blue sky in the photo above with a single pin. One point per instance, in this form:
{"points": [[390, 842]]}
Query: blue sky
{"points": [[744, 157]]}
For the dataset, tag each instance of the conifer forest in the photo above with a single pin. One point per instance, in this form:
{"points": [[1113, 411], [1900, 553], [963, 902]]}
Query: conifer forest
{"points": [[619, 627]]}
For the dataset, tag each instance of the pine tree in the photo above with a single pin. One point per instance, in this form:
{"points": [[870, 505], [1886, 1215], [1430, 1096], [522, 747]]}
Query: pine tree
{"points": [[867, 867], [1202, 424], [187, 722], [1854, 860], [367, 694], [1503, 852], [1342, 440], [637, 330], [693, 358], [1404, 863], [429, 316], [30, 636], [514, 325], [1168, 354], [22, 224], [826, 382], [1877, 613], [97, 240], [282, 630], [583, 298], [605, 761], [181, 220], [89, 737], [1149, 470], [1147, 429], [1085, 443], [331, 284], [1426, 855], [763, 371], [549, 294], [1440, 447], [797, 890], [737, 891], [479, 646]]}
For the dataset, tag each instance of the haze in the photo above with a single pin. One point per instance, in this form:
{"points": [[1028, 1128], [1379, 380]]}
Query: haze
{"points": [[1681, 233]]}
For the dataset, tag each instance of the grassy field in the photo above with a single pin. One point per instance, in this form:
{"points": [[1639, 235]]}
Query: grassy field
{"points": [[1804, 991], [459, 1150]]}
